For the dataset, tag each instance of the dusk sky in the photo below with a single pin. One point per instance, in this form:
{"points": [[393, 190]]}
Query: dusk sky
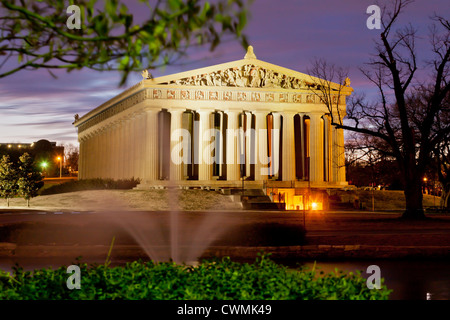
{"points": [[289, 33]]}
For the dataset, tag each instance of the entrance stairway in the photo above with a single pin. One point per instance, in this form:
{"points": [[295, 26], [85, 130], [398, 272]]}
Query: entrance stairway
{"points": [[256, 199]]}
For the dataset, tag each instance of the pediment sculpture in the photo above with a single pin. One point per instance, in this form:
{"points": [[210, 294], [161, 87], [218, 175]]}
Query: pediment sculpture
{"points": [[248, 75]]}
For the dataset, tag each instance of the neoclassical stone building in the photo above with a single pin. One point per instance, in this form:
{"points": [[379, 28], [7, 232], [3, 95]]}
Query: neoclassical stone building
{"points": [[214, 125]]}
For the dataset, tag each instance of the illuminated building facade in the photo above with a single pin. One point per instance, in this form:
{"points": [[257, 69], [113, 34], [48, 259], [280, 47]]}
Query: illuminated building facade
{"points": [[214, 125]]}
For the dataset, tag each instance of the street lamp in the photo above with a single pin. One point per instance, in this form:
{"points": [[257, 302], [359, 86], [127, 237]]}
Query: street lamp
{"points": [[60, 167], [43, 165], [425, 185]]}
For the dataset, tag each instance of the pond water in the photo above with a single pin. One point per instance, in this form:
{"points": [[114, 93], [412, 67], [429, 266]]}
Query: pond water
{"points": [[409, 279]]}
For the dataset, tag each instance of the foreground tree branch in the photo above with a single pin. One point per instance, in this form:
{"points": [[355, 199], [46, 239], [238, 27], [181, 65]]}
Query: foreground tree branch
{"points": [[36, 34]]}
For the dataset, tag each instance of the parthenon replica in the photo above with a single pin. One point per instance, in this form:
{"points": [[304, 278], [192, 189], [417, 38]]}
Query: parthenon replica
{"points": [[216, 126]]}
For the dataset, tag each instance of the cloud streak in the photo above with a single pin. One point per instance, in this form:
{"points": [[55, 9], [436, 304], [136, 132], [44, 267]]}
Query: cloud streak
{"points": [[289, 33]]}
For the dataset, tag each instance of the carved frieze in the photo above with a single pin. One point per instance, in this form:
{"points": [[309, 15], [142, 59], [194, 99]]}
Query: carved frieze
{"points": [[248, 75]]}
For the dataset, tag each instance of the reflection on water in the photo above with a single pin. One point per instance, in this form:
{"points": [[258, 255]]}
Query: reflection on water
{"points": [[409, 279]]}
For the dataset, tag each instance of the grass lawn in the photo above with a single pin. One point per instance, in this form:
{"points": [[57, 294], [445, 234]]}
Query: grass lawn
{"points": [[384, 200]]}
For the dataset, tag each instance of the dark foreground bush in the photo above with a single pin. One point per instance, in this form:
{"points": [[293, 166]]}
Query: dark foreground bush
{"points": [[220, 279], [90, 184]]}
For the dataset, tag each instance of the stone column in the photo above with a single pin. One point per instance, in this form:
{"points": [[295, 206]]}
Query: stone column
{"points": [[141, 146], [138, 146], [151, 150], [101, 153], [132, 145], [276, 140], [342, 176], [107, 154], [248, 143], [91, 155], [80, 158], [117, 149], [261, 157], [316, 147], [288, 147], [327, 148], [86, 157], [112, 150], [302, 145], [123, 149], [118, 146], [176, 163], [204, 150], [95, 165], [231, 147]]}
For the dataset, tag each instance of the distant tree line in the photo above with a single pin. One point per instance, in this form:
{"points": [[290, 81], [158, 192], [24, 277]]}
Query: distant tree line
{"points": [[21, 178]]}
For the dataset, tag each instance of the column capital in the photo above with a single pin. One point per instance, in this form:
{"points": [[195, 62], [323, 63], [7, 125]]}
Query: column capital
{"points": [[232, 111], [151, 109], [176, 110], [288, 112], [261, 112], [204, 111]]}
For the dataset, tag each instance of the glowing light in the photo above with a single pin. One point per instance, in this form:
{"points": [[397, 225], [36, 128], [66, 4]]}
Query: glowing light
{"points": [[44, 164], [425, 179], [314, 206]]}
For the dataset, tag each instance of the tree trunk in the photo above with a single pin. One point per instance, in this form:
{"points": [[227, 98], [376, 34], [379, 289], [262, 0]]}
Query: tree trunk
{"points": [[414, 198], [28, 203], [7, 202], [445, 203]]}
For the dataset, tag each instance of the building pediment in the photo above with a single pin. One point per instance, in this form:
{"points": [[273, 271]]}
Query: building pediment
{"points": [[246, 73], [249, 75]]}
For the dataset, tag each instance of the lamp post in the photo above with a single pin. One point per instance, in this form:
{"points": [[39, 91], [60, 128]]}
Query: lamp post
{"points": [[60, 167]]}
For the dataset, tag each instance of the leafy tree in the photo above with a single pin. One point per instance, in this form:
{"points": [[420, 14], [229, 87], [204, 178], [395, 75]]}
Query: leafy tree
{"points": [[8, 179], [37, 36], [30, 179]]}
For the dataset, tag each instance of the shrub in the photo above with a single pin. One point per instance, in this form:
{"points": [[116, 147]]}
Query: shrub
{"points": [[8, 179], [90, 184], [216, 279]]}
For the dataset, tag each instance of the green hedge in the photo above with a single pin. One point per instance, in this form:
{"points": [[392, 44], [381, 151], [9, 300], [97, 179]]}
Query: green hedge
{"points": [[90, 184], [218, 279]]}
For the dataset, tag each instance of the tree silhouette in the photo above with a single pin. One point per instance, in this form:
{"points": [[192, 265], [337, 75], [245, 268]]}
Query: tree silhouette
{"points": [[396, 125], [30, 179], [8, 179]]}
